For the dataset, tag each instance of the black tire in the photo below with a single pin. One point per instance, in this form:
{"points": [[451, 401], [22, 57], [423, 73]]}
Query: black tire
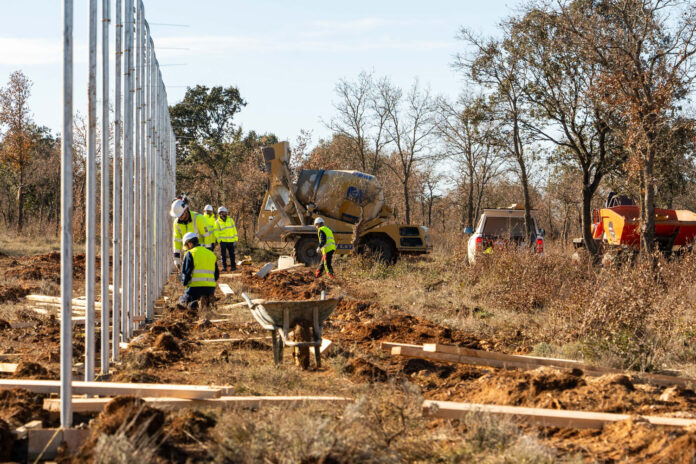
{"points": [[380, 248], [306, 251]]}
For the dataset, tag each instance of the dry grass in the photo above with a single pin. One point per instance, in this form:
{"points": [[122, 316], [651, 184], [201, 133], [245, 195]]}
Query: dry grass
{"points": [[638, 316]]}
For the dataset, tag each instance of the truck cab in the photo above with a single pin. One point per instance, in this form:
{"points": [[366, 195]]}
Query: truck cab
{"points": [[501, 227]]}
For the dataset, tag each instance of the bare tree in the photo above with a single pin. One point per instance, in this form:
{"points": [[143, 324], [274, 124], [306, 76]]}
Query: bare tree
{"points": [[361, 120], [20, 139], [410, 127], [645, 51], [497, 65], [468, 132]]}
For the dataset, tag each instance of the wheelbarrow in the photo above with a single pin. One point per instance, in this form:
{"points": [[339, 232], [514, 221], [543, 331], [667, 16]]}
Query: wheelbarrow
{"points": [[279, 316]]}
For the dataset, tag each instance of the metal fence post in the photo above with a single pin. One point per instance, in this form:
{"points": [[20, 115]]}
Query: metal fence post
{"points": [[116, 319], [105, 298]]}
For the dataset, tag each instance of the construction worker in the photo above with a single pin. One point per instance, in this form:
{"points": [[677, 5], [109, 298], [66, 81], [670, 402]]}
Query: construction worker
{"points": [[226, 235], [209, 215], [199, 273], [327, 246], [187, 221]]}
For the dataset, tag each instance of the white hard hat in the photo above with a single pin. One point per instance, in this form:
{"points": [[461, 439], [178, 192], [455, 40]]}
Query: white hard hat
{"points": [[318, 221], [188, 236], [208, 208], [178, 208], [222, 209]]}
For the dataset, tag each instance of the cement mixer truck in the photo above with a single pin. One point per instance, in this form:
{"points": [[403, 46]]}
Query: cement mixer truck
{"points": [[343, 199]]}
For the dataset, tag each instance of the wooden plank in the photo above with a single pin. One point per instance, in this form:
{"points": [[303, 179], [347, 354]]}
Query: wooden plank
{"points": [[115, 388], [263, 272], [418, 352], [387, 346], [57, 300], [44, 443], [543, 417], [325, 345], [233, 340], [226, 289], [532, 362], [289, 268], [22, 325], [84, 405], [8, 368], [241, 304]]}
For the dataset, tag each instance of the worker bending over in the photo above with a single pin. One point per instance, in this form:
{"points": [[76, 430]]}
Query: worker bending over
{"points": [[187, 221], [209, 216], [199, 273], [226, 235], [327, 246]]}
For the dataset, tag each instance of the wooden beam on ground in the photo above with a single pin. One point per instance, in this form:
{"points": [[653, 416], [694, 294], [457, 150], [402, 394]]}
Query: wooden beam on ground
{"points": [[21, 432], [43, 443], [241, 304], [325, 345], [543, 417], [8, 368], [289, 268], [115, 388], [265, 270], [225, 288], [506, 361], [85, 405], [56, 300], [387, 346], [232, 340]]}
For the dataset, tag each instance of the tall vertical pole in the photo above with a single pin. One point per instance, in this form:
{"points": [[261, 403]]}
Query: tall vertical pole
{"points": [[91, 194], [136, 167], [66, 216], [127, 230], [143, 171], [116, 319], [105, 298], [149, 204]]}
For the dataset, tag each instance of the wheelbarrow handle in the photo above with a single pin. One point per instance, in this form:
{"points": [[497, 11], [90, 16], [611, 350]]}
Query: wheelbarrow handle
{"points": [[248, 301]]}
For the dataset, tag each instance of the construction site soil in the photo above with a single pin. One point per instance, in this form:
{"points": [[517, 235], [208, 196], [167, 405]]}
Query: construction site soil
{"points": [[219, 346]]}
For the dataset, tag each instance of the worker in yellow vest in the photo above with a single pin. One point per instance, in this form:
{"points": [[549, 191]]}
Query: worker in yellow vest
{"points": [[199, 273], [187, 221], [327, 247], [209, 216], [226, 236]]}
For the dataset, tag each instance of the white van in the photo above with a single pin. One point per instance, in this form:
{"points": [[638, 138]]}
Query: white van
{"points": [[500, 227]]}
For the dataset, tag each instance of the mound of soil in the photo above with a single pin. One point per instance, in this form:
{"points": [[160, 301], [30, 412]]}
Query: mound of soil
{"points": [[631, 440], [176, 328], [136, 377], [166, 342], [296, 285], [189, 427], [17, 407], [47, 267], [354, 310], [30, 370], [14, 292], [404, 328], [362, 370]]}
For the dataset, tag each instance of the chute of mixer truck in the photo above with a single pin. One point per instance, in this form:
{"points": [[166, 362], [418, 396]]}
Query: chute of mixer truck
{"points": [[343, 199]]}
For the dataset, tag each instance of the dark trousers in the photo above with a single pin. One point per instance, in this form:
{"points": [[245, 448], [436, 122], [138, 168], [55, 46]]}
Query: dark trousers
{"points": [[227, 248], [326, 263], [193, 294]]}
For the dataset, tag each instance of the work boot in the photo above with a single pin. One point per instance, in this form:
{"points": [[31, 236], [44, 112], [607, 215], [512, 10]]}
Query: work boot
{"points": [[332, 276], [233, 268], [317, 273]]}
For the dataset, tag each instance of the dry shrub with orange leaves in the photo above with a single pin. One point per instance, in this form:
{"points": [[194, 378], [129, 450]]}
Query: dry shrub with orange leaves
{"points": [[639, 316]]}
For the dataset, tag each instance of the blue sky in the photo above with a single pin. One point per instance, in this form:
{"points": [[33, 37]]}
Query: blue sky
{"points": [[285, 56]]}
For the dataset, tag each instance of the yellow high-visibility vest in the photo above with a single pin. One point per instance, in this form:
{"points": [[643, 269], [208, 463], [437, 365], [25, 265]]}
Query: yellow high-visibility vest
{"points": [[330, 244], [203, 267], [225, 231], [197, 225], [210, 224]]}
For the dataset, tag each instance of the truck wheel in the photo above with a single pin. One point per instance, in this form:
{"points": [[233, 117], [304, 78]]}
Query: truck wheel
{"points": [[306, 251], [381, 249]]}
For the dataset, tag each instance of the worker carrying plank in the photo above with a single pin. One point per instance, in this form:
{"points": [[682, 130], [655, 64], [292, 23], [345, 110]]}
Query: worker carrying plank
{"points": [[327, 247], [187, 221], [199, 273], [226, 235]]}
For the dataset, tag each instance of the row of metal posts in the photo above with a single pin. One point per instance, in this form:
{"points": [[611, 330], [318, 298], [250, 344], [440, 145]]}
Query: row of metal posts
{"points": [[144, 166]]}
